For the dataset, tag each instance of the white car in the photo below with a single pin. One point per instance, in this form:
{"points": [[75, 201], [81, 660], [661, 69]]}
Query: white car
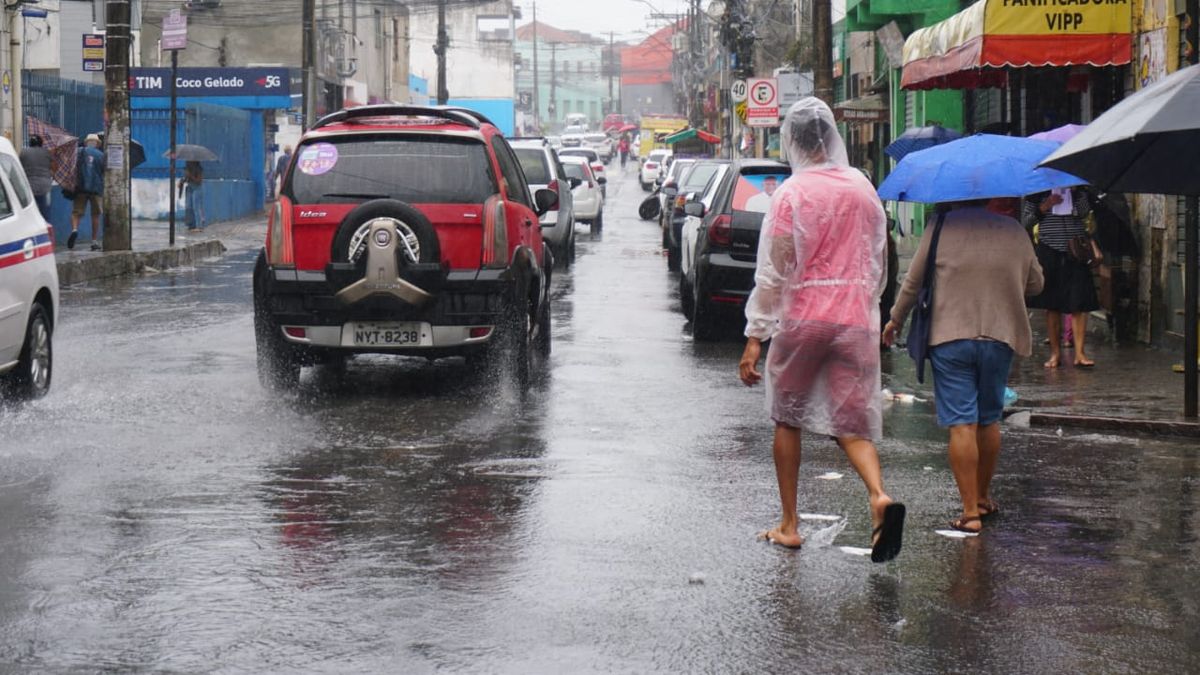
{"points": [[28, 284], [654, 168], [602, 144], [572, 140], [690, 233], [587, 195], [593, 159]]}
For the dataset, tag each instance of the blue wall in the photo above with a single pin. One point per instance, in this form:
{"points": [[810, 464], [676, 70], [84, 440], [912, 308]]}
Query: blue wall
{"points": [[498, 110]]}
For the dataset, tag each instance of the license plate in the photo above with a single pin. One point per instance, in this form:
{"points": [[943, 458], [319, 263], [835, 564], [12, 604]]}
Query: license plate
{"points": [[399, 334]]}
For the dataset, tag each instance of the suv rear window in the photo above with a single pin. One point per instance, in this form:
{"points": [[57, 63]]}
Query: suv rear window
{"points": [[753, 191], [533, 163], [698, 177], [413, 169], [574, 170]]}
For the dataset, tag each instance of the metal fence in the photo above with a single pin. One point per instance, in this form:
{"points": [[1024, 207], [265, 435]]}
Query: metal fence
{"points": [[75, 106], [225, 131]]}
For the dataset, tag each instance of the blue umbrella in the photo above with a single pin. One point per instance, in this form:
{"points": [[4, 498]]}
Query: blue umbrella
{"points": [[976, 167], [921, 138]]}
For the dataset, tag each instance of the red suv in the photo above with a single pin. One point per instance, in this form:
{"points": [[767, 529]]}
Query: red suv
{"points": [[403, 230]]}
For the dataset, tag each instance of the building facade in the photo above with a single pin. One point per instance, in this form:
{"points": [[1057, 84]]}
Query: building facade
{"points": [[572, 74]]}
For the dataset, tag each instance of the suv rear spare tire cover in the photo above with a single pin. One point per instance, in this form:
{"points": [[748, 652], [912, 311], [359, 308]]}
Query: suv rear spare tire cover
{"points": [[412, 226]]}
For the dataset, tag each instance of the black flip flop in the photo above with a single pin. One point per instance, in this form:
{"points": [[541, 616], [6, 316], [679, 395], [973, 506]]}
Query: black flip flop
{"points": [[71, 239], [890, 531], [960, 524]]}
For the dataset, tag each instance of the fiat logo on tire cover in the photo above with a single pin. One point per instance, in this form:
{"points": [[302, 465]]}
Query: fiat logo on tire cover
{"points": [[382, 238]]}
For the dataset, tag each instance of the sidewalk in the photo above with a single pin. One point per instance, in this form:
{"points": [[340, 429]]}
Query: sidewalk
{"points": [[151, 250], [1132, 388]]}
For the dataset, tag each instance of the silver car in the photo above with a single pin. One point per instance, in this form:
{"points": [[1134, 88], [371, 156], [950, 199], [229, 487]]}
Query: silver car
{"points": [[544, 170]]}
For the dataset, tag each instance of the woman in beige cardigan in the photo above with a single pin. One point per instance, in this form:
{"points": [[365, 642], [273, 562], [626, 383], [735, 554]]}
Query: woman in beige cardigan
{"points": [[985, 268]]}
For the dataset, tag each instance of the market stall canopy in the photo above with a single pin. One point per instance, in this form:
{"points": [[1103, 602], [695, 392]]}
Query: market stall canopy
{"points": [[966, 50], [691, 134]]}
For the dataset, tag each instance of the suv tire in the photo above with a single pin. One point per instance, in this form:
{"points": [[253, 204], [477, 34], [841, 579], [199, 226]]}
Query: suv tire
{"points": [[31, 378], [277, 360], [428, 248], [598, 223], [516, 338], [686, 300]]}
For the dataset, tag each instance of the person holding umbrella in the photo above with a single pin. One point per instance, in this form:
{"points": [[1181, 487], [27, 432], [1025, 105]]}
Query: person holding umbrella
{"points": [[36, 161], [983, 267], [191, 184]]}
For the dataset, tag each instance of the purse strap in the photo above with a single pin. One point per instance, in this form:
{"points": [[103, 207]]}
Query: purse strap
{"points": [[931, 257]]}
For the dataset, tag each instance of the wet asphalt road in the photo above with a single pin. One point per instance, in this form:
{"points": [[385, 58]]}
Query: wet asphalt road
{"points": [[160, 512]]}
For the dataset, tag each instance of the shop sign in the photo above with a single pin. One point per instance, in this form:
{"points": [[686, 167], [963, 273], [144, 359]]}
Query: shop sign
{"points": [[1057, 17], [93, 53], [150, 82]]}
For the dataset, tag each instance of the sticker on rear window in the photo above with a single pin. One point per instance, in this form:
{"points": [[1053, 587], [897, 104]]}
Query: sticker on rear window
{"points": [[318, 159]]}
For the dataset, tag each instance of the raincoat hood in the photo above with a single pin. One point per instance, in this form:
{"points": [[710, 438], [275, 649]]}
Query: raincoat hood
{"points": [[811, 137]]}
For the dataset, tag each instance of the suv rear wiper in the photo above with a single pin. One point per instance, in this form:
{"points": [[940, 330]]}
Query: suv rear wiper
{"points": [[355, 195]]}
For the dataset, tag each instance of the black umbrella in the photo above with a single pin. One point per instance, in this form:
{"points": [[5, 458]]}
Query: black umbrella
{"points": [[186, 152], [1149, 142], [1146, 143], [137, 151]]}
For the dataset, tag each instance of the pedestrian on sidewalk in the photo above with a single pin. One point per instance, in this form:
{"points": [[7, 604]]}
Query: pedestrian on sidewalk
{"points": [[1059, 217], [820, 270], [281, 165], [36, 161], [191, 185], [985, 268], [89, 189]]}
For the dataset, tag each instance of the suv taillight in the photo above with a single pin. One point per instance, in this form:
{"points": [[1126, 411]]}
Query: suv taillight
{"points": [[554, 186], [279, 233], [495, 234], [651, 165], [720, 232], [597, 167]]}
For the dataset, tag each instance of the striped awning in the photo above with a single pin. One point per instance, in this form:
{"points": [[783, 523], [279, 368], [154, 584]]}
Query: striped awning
{"points": [[968, 49]]}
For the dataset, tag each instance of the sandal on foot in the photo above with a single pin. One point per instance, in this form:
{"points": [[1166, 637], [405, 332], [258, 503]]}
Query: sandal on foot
{"points": [[960, 524], [890, 532], [71, 239], [988, 507]]}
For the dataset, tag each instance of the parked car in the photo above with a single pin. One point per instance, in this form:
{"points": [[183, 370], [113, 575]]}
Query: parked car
{"points": [[720, 243], [579, 120], [670, 180], [654, 168], [593, 159], [693, 181], [586, 193], [28, 285], [544, 171], [602, 144], [403, 230], [555, 142]]}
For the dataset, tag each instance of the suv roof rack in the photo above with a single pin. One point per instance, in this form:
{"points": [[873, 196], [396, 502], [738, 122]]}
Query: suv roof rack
{"points": [[449, 113]]}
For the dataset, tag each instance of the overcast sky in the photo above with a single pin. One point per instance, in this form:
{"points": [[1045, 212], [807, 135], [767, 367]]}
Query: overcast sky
{"points": [[624, 17]]}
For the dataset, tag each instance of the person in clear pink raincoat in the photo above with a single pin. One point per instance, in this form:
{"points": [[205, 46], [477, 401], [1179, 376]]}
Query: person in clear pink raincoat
{"points": [[821, 268]]}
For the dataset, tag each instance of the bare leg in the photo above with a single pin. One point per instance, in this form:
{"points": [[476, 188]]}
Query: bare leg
{"points": [[987, 439], [75, 222], [964, 463], [1054, 328], [787, 471], [865, 460], [1079, 325]]}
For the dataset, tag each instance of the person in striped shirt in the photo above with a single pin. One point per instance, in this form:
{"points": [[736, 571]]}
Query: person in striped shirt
{"points": [[1059, 216]]}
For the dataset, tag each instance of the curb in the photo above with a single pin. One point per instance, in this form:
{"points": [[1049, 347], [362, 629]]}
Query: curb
{"points": [[121, 263], [1120, 425]]}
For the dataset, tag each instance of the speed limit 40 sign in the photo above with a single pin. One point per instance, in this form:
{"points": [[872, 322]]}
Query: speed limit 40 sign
{"points": [[738, 91], [762, 102]]}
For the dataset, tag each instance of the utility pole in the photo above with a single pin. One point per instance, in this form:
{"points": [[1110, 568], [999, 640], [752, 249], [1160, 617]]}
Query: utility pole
{"points": [[537, 95], [1191, 258], [117, 231], [552, 108], [823, 51], [612, 69], [443, 42], [309, 82]]}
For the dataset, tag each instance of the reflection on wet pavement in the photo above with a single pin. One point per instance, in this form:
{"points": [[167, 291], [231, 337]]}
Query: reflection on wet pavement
{"points": [[160, 512]]}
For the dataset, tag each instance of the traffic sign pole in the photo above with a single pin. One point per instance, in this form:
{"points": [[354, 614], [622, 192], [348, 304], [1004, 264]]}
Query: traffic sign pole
{"points": [[174, 38]]}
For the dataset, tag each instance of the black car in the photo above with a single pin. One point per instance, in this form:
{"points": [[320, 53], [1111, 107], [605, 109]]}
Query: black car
{"points": [[691, 182], [721, 275]]}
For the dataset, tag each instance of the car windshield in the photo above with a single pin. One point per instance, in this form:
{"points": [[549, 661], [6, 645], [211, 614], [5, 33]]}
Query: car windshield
{"points": [[698, 177], [657, 156], [680, 167], [414, 169], [533, 162]]}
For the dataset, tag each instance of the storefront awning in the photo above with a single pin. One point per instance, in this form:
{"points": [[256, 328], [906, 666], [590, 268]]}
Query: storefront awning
{"points": [[964, 51], [688, 134], [870, 108]]}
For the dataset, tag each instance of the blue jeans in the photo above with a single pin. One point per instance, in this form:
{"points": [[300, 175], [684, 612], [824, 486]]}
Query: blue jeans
{"points": [[969, 377], [193, 207], [43, 204]]}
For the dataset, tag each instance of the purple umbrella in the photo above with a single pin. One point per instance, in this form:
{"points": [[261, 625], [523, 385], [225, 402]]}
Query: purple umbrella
{"points": [[1061, 134]]}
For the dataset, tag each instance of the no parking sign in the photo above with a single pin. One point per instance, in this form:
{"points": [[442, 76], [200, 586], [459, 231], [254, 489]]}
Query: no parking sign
{"points": [[762, 106]]}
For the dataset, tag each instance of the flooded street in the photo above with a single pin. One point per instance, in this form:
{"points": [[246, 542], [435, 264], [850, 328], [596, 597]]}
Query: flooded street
{"points": [[159, 511]]}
